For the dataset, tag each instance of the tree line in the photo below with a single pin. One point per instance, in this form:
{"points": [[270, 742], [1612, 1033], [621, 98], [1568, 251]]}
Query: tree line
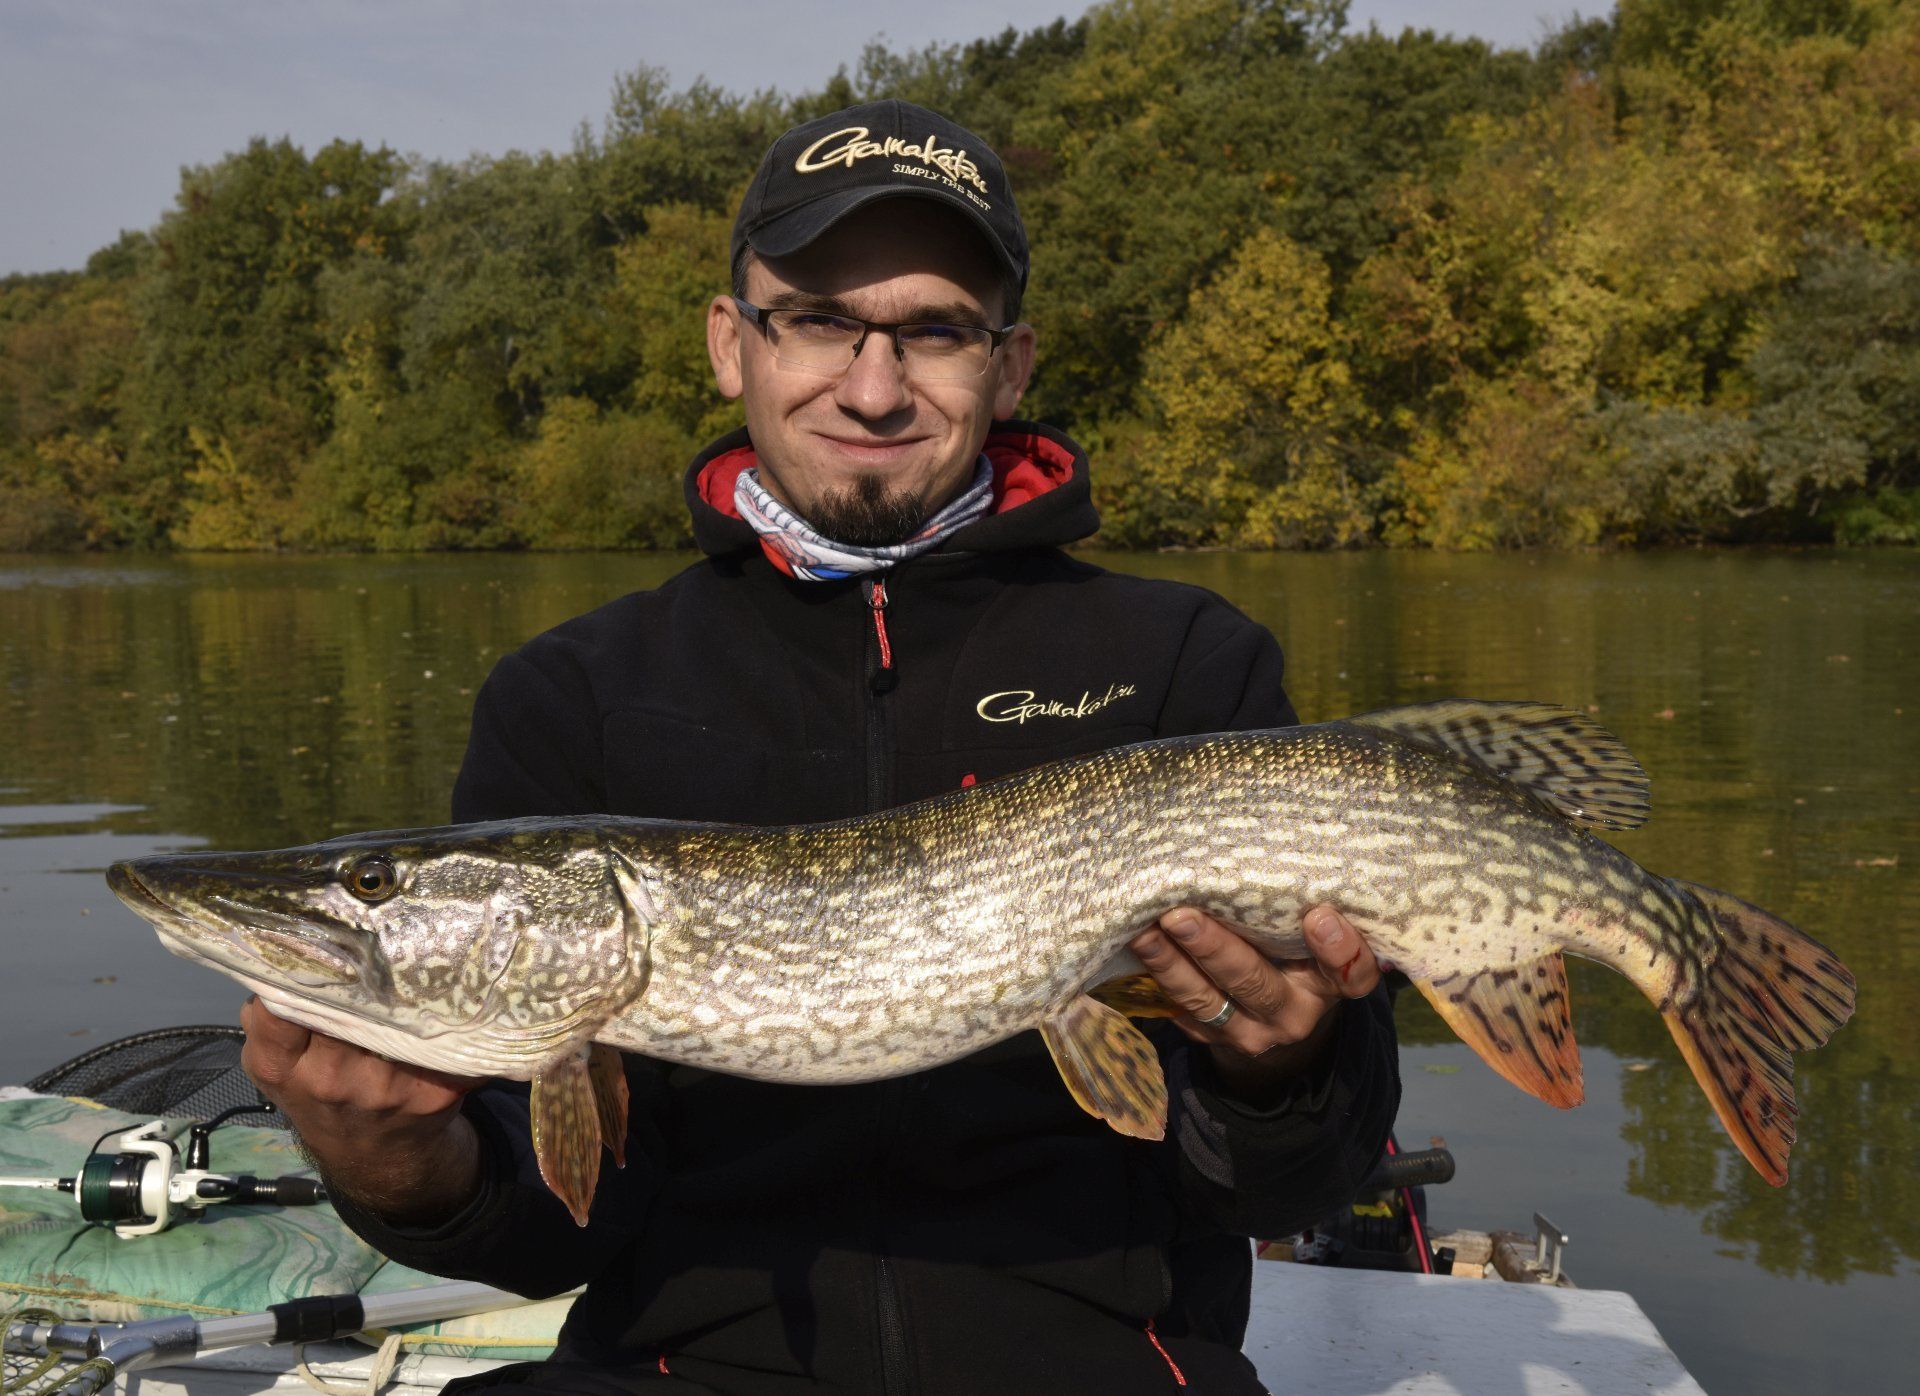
{"points": [[1656, 280]]}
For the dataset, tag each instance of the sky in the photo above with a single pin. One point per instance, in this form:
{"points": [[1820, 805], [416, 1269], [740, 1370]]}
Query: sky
{"points": [[103, 101]]}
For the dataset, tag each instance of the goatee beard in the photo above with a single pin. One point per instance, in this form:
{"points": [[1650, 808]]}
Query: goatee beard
{"points": [[868, 514]]}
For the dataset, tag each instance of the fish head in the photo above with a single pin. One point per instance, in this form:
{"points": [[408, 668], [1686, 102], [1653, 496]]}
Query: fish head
{"points": [[480, 949]]}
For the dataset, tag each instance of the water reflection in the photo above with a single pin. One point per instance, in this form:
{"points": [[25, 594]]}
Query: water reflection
{"points": [[259, 701]]}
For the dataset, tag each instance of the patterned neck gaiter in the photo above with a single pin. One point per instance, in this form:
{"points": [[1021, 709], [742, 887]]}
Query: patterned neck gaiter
{"points": [[796, 547]]}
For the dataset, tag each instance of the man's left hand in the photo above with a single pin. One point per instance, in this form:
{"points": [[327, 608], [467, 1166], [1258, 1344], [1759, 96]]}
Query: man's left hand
{"points": [[1282, 1011]]}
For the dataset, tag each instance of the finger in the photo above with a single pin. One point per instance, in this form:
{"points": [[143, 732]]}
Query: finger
{"points": [[1189, 985], [273, 1048], [345, 1074], [269, 1029], [1343, 953], [1179, 977], [1227, 958]]}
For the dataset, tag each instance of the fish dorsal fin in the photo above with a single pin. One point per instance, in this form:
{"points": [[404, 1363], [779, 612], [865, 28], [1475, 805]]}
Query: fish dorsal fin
{"points": [[1520, 1020], [1561, 757], [1109, 1065]]}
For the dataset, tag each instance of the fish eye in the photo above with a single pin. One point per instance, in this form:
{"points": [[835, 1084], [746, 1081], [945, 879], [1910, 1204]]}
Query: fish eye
{"points": [[373, 879]]}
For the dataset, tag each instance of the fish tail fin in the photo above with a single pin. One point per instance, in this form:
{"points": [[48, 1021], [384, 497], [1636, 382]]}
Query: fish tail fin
{"points": [[1770, 990]]}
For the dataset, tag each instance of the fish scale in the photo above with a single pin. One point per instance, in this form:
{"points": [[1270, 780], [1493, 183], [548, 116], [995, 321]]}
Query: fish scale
{"points": [[1456, 836]]}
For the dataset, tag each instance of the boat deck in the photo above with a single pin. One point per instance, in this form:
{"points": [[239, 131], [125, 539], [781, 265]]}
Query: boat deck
{"points": [[1328, 1332], [1369, 1333]]}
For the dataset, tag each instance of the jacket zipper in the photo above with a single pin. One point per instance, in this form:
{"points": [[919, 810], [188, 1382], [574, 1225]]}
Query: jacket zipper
{"points": [[882, 677]]}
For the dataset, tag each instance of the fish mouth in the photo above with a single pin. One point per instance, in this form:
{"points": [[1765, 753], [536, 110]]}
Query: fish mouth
{"points": [[284, 947], [300, 956], [125, 884]]}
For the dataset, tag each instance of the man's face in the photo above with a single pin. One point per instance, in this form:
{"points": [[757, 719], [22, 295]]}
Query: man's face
{"points": [[866, 456]]}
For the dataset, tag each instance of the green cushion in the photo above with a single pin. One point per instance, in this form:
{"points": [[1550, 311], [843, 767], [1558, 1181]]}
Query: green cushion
{"points": [[228, 1260]]}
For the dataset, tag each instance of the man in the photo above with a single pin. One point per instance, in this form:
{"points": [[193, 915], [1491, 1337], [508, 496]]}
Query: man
{"points": [[884, 613]]}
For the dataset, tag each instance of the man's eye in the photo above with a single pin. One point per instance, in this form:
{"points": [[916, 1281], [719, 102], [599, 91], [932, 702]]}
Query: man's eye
{"points": [[821, 326], [937, 336]]}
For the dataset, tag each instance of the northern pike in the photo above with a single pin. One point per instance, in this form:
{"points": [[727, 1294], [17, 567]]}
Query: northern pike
{"points": [[1455, 835]]}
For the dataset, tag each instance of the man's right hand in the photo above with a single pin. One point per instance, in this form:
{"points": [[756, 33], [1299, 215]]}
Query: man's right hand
{"points": [[386, 1135]]}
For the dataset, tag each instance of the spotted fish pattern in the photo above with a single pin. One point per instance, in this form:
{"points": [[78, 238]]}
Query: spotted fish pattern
{"points": [[1457, 836]]}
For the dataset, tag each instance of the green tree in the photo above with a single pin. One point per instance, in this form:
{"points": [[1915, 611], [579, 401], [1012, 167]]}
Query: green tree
{"points": [[1826, 406], [230, 389], [1254, 412], [596, 480], [663, 281]]}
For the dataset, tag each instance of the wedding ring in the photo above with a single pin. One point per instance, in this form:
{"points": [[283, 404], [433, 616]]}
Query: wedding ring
{"points": [[1226, 1012]]}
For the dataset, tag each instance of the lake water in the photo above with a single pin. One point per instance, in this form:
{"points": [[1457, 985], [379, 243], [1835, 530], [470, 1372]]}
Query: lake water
{"points": [[151, 704]]}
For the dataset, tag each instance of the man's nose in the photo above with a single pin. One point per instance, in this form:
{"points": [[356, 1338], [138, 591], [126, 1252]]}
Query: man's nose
{"points": [[876, 384]]}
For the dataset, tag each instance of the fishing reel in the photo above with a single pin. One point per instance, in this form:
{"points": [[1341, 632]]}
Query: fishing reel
{"points": [[1385, 1228], [139, 1182]]}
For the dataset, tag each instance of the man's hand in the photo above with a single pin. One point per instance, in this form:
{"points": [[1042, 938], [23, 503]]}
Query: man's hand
{"points": [[1279, 1014], [388, 1135]]}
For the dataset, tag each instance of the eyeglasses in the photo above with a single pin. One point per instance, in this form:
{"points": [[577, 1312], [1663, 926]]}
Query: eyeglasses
{"points": [[816, 342]]}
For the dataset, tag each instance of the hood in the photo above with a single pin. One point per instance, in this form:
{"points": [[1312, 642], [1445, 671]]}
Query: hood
{"points": [[1041, 495]]}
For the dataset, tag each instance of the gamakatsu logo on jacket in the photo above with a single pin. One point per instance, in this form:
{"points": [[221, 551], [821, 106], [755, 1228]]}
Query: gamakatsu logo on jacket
{"points": [[1019, 704]]}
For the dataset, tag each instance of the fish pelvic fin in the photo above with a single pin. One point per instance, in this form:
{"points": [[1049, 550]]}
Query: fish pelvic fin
{"points": [[1771, 991], [575, 1108], [1561, 757], [1519, 1018], [1109, 1066], [1137, 996], [609, 1080]]}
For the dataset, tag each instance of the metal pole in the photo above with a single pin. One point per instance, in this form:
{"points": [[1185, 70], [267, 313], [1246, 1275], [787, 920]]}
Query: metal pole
{"points": [[156, 1342]]}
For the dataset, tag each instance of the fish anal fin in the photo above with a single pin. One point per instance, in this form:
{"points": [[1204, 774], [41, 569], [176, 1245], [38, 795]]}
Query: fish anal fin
{"points": [[1562, 758], [1137, 996], [609, 1080], [1520, 1020], [566, 1131], [1109, 1065]]}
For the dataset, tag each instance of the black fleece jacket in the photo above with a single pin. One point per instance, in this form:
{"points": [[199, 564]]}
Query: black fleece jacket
{"points": [[969, 1228]]}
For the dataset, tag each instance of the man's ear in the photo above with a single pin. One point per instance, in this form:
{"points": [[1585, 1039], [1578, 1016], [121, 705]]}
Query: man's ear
{"points": [[1016, 369], [723, 346]]}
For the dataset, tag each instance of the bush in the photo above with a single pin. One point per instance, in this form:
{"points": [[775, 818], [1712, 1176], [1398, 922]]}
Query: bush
{"points": [[601, 481], [1889, 515]]}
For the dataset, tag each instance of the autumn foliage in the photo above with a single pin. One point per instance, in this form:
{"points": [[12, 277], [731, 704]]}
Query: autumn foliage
{"points": [[1656, 280]]}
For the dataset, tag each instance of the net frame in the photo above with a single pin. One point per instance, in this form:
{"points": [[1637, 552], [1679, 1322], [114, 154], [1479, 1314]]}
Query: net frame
{"points": [[190, 1072]]}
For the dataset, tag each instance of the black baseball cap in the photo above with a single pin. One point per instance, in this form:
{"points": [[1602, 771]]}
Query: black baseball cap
{"points": [[820, 171]]}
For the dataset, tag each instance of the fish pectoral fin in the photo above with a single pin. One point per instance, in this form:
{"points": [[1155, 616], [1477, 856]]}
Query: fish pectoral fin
{"points": [[609, 1079], [1137, 996], [567, 1131], [639, 910], [1561, 757], [1109, 1065], [1520, 1020]]}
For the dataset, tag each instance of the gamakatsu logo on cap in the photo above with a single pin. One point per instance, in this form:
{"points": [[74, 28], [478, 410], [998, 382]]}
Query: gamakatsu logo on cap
{"points": [[823, 154]]}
